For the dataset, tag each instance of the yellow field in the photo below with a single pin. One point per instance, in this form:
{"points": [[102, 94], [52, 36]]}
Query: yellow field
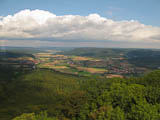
{"points": [[60, 56], [59, 67], [43, 59], [114, 76], [43, 54], [51, 65], [56, 62], [78, 58], [92, 70], [22, 58], [96, 70]]}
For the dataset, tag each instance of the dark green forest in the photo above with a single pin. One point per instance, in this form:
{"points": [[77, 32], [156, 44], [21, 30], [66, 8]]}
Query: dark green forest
{"points": [[44, 94]]}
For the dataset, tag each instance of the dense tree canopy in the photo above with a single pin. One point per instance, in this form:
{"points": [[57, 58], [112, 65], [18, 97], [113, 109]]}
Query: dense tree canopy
{"points": [[48, 95]]}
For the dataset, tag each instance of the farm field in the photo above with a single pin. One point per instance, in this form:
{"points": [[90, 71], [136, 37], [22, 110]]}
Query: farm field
{"points": [[108, 66], [67, 64], [84, 64]]}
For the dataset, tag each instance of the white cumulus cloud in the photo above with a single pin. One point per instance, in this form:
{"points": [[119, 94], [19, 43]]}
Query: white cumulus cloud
{"points": [[43, 25]]}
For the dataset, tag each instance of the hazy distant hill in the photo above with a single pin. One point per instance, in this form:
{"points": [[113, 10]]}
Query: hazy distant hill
{"points": [[32, 50], [97, 52], [140, 57]]}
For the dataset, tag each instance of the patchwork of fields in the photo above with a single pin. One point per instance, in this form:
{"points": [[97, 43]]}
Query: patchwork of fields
{"points": [[87, 66], [82, 62], [67, 64]]}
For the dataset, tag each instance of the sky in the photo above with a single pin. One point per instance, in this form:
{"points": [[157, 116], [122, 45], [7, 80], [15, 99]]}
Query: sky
{"points": [[80, 23]]}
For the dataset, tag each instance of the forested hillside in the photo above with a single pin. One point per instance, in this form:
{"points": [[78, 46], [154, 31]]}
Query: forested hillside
{"points": [[48, 95]]}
